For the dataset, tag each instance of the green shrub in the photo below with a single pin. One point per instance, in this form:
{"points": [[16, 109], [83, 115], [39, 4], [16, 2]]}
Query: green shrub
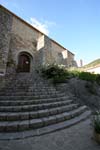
{"points": [[60, 74], [74, 73], [59, 79], [87, 76], [96, 122], [98, 78], [54, 72]]}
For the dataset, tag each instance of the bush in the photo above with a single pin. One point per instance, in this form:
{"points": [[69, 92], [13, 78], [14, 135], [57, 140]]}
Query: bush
{"points": [[54, 72], [98, 78], [87, 76], [96, 122], [59, 79], [74, 73], [60, 74]]}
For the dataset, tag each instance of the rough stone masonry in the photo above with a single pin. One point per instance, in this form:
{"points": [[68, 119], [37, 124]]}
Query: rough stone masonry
{"points": [[23, 48]]}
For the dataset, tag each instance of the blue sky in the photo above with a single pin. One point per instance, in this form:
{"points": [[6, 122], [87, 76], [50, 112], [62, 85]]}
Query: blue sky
{"points": [[73, 23]]}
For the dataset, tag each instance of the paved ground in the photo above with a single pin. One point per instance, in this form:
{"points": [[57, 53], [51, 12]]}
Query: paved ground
{"points": [[77, 137]]}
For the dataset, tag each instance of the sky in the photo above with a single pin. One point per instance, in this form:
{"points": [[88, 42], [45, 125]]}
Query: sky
{"points": [[75, 24]]}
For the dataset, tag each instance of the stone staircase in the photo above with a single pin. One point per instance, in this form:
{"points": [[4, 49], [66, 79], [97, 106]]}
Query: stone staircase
{"points": [[30, 106]]}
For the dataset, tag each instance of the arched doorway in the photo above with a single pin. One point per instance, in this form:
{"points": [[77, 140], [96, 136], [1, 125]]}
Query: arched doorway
{"points": [[24, 61]]}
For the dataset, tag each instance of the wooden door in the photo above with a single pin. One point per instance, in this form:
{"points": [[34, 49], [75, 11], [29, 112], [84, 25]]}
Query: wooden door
{"points": [[24, 63]]}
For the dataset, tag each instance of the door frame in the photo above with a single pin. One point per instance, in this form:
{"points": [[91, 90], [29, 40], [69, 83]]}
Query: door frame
{"points": [[30, 58]]}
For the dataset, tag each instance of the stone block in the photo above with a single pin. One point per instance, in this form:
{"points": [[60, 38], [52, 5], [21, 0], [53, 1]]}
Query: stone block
{"points": [[35, 123], [33, 115], [12, 126], [23, 125], [43, 113], [60, 118], [49, 120]]}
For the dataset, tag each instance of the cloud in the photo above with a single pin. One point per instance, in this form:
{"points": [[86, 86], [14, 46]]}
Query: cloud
{"points": [[42, 26], [11, 5], [2, 2]]}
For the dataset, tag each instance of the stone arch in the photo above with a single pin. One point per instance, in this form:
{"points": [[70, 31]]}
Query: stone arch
{"points": [[24, 62]]}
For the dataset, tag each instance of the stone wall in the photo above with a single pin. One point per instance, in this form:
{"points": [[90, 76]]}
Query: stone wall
{"points": [[5, 80], [57, 53], [39, 56], [44, 51], [49, 52], [48, 55], [17, 36], [62, 55], [70, 59], [83, 92], [5, 30], [23, 39]]}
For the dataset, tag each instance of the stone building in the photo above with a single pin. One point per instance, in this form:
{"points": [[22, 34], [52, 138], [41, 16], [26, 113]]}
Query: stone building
{"points": [[23, 48]]}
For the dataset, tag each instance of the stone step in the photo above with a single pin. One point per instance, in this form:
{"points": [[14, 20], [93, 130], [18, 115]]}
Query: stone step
{"points": [[30, 97], [29, 90], [14, 116], [13, 126], [33, 82], [29, 93], [34, 107], [44, 130], [29, 87], [35, 77], [28, 81], [30, 102]]}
